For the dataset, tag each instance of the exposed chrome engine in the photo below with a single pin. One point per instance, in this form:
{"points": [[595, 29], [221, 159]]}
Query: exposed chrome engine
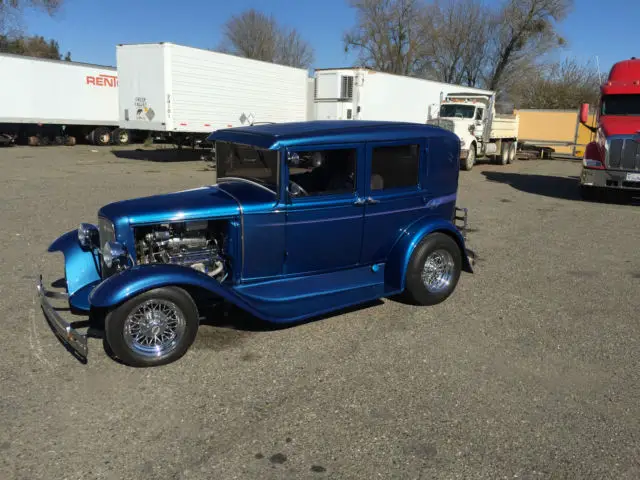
{"points": [[194, 244]]}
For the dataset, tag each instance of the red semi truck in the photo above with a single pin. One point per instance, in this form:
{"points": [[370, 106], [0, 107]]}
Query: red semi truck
{"points": [[612, 160]]}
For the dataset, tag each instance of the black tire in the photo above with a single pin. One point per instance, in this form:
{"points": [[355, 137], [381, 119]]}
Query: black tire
{"points": [[101, 136], [468, 163], [513, 152], [416, 291], [116, 319], [121, 136], [503, 158]]}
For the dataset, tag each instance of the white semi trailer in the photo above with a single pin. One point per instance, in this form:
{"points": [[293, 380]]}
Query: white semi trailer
{"points": [[363, 94], [186, 93], [482, 132], [50, 101]]}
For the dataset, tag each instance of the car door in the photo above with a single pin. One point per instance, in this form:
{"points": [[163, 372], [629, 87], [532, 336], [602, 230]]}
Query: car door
{"points": [[395, 195], [324, 213]]}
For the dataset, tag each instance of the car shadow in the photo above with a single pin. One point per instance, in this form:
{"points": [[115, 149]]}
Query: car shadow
{"points": [[228, 316], [564, 188], [162, 155]]}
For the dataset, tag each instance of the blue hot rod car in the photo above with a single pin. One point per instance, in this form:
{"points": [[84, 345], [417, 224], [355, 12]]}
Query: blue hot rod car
{"points": [[305, 218]]}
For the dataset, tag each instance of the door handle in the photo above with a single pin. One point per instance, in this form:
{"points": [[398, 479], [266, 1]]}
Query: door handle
{"points": [[372, 201], [359, 202]]}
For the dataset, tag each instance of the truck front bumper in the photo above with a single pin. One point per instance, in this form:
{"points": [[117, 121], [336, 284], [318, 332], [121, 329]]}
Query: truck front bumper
{"points": [[609, 179], [62, 328], [464, 154]]}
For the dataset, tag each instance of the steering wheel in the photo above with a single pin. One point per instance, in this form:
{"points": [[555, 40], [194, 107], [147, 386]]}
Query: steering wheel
{"points": [[299, 189]]}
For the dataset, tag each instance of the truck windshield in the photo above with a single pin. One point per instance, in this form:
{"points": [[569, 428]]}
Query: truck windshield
{"points": [[628, 104], [249, 162], [457, 111]]}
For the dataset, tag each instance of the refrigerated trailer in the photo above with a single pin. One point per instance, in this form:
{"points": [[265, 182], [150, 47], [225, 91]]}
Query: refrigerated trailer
{"points": [[187, 93], [44, 101], [364, 94]]}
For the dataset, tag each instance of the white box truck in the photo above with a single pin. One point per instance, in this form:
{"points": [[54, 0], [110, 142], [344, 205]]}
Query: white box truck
{"points": [[364, 94], [44, 101], [186, 93], [482, 132]]}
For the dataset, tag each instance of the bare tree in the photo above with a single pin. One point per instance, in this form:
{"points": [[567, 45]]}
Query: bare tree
{"points": [[524, 30], [11, 13], [457, 40], [253, 34], [389, 35], [560, 85]]}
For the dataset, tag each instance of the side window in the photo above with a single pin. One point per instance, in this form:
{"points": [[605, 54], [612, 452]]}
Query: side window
{"points": [[396, 166], [322, 172], [479, 113]]}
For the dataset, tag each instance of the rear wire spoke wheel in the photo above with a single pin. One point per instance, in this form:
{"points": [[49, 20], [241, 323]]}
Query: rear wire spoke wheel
{"points": [[154, 328], [434, 270]]}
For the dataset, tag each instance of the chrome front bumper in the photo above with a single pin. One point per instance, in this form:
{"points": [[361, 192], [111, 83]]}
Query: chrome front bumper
{"points": [[64, 330], [607, 179]]}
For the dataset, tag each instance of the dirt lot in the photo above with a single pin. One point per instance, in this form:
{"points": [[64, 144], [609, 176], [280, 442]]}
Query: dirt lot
{"points": [[530, 370]]}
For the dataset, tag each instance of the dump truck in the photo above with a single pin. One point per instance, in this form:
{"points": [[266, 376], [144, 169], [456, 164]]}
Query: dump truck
{"points": [[482, 132]]}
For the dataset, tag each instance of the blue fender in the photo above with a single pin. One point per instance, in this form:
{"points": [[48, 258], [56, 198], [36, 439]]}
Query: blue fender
{"points": [[401, 252], [134, 281], [81, 267]]}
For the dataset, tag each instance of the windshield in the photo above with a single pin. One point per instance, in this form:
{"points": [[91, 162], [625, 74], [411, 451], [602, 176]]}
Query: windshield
{"points": [[621, 105], [245, 161], [459, 111]]}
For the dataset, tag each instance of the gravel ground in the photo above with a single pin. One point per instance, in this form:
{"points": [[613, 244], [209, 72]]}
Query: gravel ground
{"points": [[530, 370]]}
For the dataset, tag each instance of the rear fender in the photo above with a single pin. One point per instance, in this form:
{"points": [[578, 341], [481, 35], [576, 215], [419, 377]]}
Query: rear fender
{"points": [[134, 281], [81, 267], [401, 252]]}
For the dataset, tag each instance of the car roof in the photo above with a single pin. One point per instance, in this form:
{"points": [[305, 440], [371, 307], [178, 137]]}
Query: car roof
{"points": [[325, 131]]}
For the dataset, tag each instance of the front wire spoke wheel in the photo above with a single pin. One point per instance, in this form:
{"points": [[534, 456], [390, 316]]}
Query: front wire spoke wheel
{"points": [[154, 328]]}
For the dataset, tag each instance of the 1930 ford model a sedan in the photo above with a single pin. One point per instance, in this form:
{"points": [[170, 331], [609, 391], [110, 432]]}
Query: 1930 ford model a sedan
{"points": [[305, 218]]}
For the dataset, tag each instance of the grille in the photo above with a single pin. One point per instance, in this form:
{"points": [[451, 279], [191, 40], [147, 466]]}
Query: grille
{"points": [[107, 234], [346, 92], [624, 154]]}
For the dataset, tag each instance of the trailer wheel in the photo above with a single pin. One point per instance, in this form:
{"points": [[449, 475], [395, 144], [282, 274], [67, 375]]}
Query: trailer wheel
{"points": [[101, 136], [120, 136], [513, 151]]}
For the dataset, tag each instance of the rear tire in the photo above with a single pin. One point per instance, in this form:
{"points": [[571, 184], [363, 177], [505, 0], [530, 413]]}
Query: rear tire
{"points": [[467, 163], [101, 136], [433, 271], [155, 328], [503, 158], [121, 136], [513, 147]]}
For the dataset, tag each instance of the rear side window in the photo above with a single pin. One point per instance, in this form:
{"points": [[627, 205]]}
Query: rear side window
{"points": [[396, 166]]}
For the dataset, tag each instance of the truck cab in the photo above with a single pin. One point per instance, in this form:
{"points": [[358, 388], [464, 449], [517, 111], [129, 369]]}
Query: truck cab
{"points": [[612, 160]]}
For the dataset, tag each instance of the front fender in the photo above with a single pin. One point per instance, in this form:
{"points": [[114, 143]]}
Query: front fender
{"points": [[134, 281], [81, 267], [401, 252]]}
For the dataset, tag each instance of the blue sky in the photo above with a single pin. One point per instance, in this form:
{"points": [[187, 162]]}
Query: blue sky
{"points": [[91, 29]]}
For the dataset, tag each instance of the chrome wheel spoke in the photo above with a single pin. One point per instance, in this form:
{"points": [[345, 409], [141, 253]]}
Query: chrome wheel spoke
{"points": [[438, 271], [154, 328]]}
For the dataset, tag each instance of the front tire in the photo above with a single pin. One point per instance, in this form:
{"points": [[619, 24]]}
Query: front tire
{"points": [[467, 163], [155, 328], [434, 270]]}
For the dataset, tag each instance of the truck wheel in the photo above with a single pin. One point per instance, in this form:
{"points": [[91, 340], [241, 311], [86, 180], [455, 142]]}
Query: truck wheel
{"points": [[467, 163], [120, 136], [101, 136], [434, 270], [513, 147], [503, 158], [154, 328]]}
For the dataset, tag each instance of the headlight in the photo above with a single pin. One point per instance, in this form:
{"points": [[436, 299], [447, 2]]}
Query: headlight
{"points": [[589, 163], [113, 253], [87, 235]]}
